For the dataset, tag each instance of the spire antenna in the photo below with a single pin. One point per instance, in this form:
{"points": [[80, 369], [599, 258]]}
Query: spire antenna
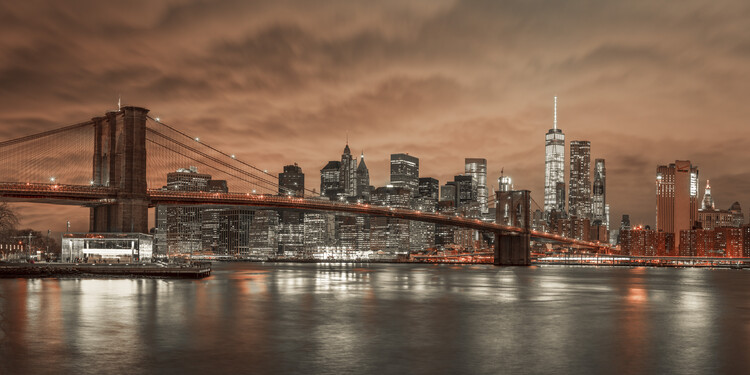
{"points": [[119, 97], [555, 123]]}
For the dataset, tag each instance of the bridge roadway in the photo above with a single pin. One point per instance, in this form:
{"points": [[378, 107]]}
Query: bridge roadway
{"points": [[96, 195], [79, 195]]}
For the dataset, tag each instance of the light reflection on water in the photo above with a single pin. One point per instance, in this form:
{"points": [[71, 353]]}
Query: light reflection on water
{"points": [[381, 318]]}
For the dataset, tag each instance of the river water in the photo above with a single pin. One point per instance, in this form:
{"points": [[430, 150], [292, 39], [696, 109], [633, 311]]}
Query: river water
{"points": [[255, 318]]}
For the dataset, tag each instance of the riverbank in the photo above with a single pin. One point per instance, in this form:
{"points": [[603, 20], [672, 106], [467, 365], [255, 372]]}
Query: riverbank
{"points": [[534, 262], [145, 270]]}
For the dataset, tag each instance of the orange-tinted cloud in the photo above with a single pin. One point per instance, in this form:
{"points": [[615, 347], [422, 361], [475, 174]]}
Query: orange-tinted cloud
{"points": [[285, 81]]}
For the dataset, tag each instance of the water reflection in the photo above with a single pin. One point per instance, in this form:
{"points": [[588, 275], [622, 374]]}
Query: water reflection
{"points": [[334, 318]]}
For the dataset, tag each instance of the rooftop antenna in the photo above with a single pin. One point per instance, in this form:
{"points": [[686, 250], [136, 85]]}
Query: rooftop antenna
{"points": [[555, 123], [118, 101]]}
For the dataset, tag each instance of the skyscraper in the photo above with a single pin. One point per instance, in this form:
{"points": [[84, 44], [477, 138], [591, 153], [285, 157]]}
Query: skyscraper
{"points": [[599, 200], [363, 179], [465, 192], [676, 197], [448, 192], [579, 185], [554, 168], [330, 180], [291, 230], [477, 169], [708, 201], [390, 234], [178, 227], [292, 181], [348, 175], [405, 172], [429, 188]]}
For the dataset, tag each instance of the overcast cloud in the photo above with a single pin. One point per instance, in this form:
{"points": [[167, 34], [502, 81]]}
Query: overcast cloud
{"points": [[284, 81]]}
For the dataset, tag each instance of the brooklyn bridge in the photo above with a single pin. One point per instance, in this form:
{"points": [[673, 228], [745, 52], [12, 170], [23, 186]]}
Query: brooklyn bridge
{"points": [[115, 165]]}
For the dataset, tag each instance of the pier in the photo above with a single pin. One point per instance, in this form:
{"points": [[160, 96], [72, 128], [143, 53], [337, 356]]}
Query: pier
{"points": [[197, 270]]}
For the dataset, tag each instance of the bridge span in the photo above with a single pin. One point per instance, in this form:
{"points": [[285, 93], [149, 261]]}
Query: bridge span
{"points": [[122, 164]]}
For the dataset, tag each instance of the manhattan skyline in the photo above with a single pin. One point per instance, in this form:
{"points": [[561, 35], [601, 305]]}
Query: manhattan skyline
{"points": [[278, 84]]}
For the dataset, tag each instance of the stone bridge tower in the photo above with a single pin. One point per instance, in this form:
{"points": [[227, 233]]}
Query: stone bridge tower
{"points": [[513, 209], [120, 163]]}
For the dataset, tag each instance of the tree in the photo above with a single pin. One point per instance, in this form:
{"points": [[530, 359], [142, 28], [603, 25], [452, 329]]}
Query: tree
{"points": [[8, 217]]}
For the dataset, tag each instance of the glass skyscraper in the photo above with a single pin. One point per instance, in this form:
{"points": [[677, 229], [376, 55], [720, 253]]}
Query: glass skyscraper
{"points": [[554, 168], [348, 174], [599, 200], [405, 172], [477, 169], [579, 185]]}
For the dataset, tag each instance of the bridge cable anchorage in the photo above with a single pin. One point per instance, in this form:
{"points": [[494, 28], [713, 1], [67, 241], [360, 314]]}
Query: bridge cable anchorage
{"points": [[269, 183], [231, 157]]}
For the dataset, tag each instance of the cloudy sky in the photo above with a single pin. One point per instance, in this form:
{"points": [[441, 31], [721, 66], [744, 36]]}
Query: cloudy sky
{"points": [[285, 81]]}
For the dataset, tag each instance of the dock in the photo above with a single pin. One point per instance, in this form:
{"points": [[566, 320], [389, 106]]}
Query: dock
{"points": [[195, 270]]}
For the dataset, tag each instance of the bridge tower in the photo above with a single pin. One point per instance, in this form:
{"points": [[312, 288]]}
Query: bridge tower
{"points": [[120, 163], [513, 249]]}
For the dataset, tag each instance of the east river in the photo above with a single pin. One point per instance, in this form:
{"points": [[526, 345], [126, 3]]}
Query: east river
{"points": [[255, 318]]}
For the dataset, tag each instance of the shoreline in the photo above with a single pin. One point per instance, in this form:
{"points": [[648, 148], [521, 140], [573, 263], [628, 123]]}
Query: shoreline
{"points": [[201, 270], [84, 270], [533, 263]]}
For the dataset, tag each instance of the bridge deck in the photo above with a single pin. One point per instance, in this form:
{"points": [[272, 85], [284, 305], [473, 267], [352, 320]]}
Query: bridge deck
{"points": [[95, 195]]}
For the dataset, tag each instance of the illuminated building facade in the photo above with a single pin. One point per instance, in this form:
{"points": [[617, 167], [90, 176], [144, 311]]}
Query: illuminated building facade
{"points": [[505, 183], [444, 233], [465, 192], [676, 198], [179, 228], [429, 188], [291, 224], [348, 173], [554, 168], [710, 217], [125, 247], [448, 192], [364, 190], [579, 184], [234, 231], [405, 172], [263, 235], [477, 169], [292, 181], [316, 231], [718, 242], [641, 241], [422, 234], [330, 180], [730, 241], [599, 198], [746, 241], [388, 234]]}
